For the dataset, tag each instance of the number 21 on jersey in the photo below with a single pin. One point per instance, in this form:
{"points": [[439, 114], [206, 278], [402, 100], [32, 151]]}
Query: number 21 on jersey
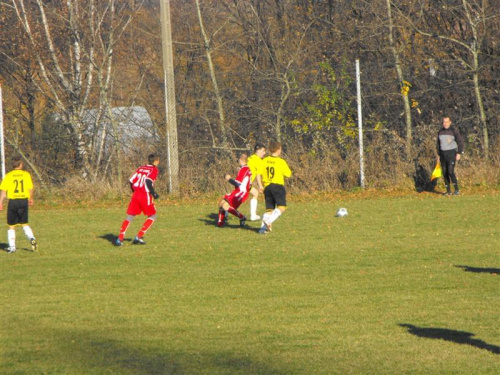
{"points": [[18, 186]]}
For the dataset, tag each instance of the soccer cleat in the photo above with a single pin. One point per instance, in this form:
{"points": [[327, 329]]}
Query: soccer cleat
{"points": [[138, 241], [34, 245], [243, 221], [268, 226], [263, 230], [254, 218], [118, 242], [11, 249], [457, 192]]}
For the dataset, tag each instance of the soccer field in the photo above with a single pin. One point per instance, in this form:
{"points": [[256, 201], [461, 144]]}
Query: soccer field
{"points": [[401, 285]]}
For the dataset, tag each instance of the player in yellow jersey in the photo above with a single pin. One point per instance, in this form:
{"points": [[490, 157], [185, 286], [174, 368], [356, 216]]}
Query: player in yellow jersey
{"points": [[276, 170], [18, 187], [257, 167]]}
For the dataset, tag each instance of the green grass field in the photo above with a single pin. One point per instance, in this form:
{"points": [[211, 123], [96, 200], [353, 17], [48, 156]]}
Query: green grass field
{"points": [[402, 285]]}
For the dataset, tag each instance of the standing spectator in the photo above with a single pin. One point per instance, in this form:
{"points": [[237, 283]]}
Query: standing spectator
{"points": [[142, 201], [449, 147], [276, 170], [257, 167], [18, 187]]}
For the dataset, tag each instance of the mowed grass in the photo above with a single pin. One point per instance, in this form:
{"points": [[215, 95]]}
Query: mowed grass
{"points": [[401, 285]]}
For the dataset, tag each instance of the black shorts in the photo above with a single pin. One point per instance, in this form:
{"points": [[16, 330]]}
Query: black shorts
{"points": [[17, 212], [275, 196]]}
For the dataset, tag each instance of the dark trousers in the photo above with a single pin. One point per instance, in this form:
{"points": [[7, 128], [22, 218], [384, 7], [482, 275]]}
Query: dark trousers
{"points": [[448, 160]]}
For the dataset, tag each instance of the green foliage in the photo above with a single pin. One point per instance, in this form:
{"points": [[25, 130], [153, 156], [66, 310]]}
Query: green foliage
{"points": [[330, 115], [321, 295]]}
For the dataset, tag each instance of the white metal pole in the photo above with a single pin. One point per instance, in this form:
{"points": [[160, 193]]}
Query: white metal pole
{"points": [[360, 128], [2, 147]]}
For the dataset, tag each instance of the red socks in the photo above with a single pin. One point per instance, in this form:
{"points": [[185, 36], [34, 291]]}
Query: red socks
{"points": [[232, 211], [222, 216], [147, 224], [123, 229]]}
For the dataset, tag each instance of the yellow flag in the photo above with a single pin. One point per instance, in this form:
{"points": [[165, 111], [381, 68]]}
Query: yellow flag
{"points": [[437, 172]]}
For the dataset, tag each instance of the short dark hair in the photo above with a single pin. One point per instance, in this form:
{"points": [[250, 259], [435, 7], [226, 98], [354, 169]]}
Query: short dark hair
{"points": [[274, 146], [258, 146], [152, 158], [243, 157], [16, 162]]}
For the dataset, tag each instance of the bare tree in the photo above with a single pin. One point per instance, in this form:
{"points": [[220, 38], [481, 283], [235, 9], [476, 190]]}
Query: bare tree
{"points": [[218, 96], [467, 31], [69, 63], [404, 85]]}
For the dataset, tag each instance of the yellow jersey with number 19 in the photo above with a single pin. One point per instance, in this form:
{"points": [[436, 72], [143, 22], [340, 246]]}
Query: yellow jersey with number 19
{"points": [[256, 166], [275, 171], [17, 183]]}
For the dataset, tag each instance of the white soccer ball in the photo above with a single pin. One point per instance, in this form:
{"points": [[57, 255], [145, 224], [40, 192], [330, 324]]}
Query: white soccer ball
{"points": [[341, 212]]}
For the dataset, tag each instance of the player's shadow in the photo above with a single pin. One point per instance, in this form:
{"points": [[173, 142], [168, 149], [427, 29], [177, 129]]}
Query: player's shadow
{"points": [[422, 180], [493, 271], [5, 247], [211, 220], [110, 237], [459, 337]]}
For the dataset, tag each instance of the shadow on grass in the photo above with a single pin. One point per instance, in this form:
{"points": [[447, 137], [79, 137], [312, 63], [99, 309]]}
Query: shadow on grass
{"points": [[459, 337], [212, 218], [110, 237], [493, 271], [5, 247], [422, 180], [98, 354]]}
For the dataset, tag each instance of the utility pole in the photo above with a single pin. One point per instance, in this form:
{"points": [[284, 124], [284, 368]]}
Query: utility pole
{"points": [[170, 113]]}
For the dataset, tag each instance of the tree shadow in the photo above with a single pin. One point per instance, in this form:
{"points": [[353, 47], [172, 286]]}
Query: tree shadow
{"points": [[459, 337], [422, 180], [100, 354], [493, 271]]}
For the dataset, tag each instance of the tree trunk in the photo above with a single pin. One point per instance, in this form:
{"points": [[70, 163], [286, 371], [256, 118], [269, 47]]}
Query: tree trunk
{"points": [[403, 85], [218, 96], [475, 50]]}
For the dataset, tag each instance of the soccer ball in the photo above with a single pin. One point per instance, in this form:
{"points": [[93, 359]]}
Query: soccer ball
{"points": [[341, 212]]}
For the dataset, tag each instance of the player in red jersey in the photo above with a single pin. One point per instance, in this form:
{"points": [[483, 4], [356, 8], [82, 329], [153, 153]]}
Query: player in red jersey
{"points": [[141, 183], [231, 202]]}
